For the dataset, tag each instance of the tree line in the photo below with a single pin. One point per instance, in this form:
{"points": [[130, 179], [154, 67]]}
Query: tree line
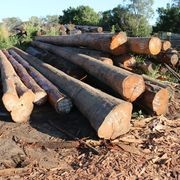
{"points": [[132, 16]]}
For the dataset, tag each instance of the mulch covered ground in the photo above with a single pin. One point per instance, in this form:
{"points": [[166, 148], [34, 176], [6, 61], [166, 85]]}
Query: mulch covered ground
{"points": [[53, 146]]}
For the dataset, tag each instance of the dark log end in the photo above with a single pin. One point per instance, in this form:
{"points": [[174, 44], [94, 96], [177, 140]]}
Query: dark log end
{"points": [[133, 86], [117, 122], [64, 105]]}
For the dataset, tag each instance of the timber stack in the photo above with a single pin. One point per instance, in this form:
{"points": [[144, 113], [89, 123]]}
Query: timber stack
{"points": [[63, 69]]}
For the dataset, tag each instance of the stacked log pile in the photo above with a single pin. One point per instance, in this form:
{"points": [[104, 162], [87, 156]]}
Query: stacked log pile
{"points": [[68, 61]]}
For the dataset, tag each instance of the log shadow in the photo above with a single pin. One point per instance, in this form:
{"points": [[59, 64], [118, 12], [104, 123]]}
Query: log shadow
{"points": [[46, 120]]}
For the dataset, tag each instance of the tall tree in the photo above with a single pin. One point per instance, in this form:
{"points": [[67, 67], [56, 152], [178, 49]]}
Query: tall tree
{"points": [[12, 22], [132, 18], [82, 15], [169, 19]]}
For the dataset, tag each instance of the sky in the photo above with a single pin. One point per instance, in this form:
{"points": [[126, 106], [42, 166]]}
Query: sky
{"points": [[24, 9]]}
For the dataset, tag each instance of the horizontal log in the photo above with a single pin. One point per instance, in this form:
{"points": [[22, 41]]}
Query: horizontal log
{"points": [[58, 100], [59, 62], [128, 85], [108, 42], [15, 92], [127, 61], [142, 45], [169, 57], [155, 99], [40, 94], [109, 116], [146, 66]]}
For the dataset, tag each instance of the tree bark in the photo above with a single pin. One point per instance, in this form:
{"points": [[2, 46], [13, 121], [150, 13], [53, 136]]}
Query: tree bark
{"points": [[166, 45], [21, 106], [59, 62], [155, 98], [99, 55], [109, 116], [146, 66], [40, 94], [128, 85], [58, 100], [108, 42], [141, 45], [170, 57], [128, 61]]}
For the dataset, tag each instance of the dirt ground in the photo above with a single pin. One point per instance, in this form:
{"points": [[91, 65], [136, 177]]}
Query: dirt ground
{"points": [[53, 146]]}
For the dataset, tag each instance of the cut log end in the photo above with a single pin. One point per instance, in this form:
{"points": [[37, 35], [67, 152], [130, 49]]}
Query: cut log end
{"points": [[166, 45], [133, 87], [173, 60], [117, 122], [23, 109], [40, 98], [155, 45], [160, 102], [9, 101], [64, 105], [117, 44]]}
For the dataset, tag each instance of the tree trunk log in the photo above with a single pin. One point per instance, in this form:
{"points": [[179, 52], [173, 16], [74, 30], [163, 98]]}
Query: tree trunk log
{"points": [[165, 45], [155, 98], [89, 28], [99, 55], [140, 45], [40, 94], [128, 85], [111, 43], [128, 61], [170, 57], [58, 100], [109, 116], [146, 66], [59, 62], [21, 106]]}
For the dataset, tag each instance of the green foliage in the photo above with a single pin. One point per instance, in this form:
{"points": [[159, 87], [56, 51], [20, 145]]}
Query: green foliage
{"points": [[169, 19], [82, 15], [132, 18], [11, 23]]}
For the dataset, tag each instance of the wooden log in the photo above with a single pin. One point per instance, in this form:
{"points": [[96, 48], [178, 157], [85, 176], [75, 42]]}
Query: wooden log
{"points": [[99, 55], [59, 62], [89, 28], [57, 99], [146, 66], [165, 45], [127, 84], [141, 45], [169, 57], [155, 99], [109, 116], [128, 61], [108, 42], [40, 94], [15, 92]]}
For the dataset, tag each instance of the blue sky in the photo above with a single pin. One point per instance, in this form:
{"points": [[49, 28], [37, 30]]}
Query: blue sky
{"points": [[24, 9]]}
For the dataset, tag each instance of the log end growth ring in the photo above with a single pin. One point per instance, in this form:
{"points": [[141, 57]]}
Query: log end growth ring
{"points": [[133, 87], [117, 122], [64, 105], [155, 45], [160, 102]]}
